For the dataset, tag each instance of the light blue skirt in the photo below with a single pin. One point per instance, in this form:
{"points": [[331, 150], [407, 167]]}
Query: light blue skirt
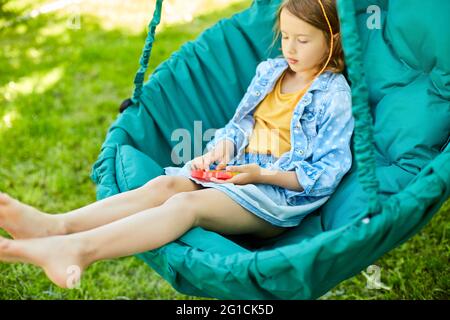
{"points": [[266, 201]]}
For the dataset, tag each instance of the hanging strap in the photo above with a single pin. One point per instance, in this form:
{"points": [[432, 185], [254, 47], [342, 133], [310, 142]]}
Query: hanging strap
{"points": [[363, 135], [139, 78]]}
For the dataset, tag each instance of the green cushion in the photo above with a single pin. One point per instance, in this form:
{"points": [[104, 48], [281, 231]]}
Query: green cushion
{"points": [[409, 92], [134, 168]]}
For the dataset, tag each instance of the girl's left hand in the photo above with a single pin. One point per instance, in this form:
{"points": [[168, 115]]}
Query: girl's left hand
{"points": [[248, 173]]}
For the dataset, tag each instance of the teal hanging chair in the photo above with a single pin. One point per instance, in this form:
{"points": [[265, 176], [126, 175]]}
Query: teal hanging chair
{"points": [[398, 62]]}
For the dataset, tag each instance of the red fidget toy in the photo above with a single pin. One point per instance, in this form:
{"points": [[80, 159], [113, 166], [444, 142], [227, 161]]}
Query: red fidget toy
{"points": [[218, 174]]}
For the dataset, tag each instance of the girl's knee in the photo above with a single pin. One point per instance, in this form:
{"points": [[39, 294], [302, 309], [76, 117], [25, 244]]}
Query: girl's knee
{"points": [[187, 202], [171, 184], [161, 182]]}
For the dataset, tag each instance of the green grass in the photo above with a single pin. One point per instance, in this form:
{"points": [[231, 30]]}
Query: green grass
{"points": [[59, 92]]}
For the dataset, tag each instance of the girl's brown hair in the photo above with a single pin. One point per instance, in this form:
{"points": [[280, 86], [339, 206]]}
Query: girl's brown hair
{"points": [[311, 12]]}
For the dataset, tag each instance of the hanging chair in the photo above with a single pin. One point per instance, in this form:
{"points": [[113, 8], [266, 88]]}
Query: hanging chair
{"points": [[399, 74]]}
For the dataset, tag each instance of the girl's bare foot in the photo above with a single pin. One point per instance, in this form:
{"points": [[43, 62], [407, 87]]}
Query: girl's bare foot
{"points": [[22, 221], [61, 259]]}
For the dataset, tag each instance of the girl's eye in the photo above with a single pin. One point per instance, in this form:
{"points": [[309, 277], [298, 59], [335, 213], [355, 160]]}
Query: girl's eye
{"points": [[300, 41]]}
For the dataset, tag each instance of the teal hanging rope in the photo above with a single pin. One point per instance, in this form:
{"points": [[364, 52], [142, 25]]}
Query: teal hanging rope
{"points": [[145, 57], [139, 78]]}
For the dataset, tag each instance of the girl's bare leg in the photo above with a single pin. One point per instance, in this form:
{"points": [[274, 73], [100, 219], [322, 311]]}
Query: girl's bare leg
{"points": [[146, 230], [23, 221]]}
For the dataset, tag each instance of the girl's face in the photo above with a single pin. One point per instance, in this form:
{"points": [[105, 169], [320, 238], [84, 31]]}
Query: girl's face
{"points": [[302, 42]]}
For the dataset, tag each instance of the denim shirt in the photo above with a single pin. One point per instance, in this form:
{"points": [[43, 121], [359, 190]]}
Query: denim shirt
{"points": [[321, 128]]}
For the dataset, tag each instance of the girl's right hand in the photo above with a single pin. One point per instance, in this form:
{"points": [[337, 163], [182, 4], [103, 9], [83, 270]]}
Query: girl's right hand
{"points": [[223, 153]]}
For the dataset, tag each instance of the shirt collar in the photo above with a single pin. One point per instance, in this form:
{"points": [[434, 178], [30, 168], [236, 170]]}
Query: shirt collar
{"points": [[320, 83]]}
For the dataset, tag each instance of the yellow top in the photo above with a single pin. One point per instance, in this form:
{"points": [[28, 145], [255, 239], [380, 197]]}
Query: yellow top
{"points": [[271, 132]]}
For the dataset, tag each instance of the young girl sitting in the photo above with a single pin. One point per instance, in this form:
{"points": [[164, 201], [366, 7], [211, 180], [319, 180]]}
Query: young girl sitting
{"points": [[289, 139]]}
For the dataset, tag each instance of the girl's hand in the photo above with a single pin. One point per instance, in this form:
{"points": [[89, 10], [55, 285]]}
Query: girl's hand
{"points": [[202, 162], [249, 173], [222, 153]]}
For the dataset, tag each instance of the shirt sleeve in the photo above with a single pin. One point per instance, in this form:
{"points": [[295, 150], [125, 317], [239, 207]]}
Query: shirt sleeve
{"points": [[229, 132], [238, 133], [331, 158]]}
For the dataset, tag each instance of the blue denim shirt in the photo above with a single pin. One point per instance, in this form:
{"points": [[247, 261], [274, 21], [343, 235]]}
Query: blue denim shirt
{"points": [[321, 128]]}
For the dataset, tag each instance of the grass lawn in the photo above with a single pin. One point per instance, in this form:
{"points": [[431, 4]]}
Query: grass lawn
{"points": [[59, 92]]}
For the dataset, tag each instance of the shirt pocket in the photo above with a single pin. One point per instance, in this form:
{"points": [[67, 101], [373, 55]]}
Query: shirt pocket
{"points": [[308, 121]]}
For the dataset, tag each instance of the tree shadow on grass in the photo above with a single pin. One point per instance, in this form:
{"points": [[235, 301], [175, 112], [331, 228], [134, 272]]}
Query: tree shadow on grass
{"points": [[60, 89]]}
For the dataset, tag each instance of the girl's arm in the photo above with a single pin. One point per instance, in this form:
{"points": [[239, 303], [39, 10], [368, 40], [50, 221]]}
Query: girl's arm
{"points": [[332, 157], [253, 173], [285, 179]]}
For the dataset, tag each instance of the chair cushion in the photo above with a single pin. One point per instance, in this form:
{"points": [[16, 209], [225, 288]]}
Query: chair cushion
{"points": [[409, 92], [134, 168]]}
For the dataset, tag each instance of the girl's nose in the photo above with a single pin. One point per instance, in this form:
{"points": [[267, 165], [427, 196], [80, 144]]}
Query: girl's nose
{"points": [[291, 47]]}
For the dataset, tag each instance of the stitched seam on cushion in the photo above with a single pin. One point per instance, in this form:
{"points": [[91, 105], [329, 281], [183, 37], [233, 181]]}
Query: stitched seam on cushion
{"points": [[122, 169]]}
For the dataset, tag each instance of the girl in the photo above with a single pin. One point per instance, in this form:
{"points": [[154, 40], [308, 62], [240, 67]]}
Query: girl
{"points": [[301, 96]]}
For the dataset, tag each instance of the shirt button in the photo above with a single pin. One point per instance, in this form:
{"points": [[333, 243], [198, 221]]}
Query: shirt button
{"points": [[300, 151], [257, 93]]}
